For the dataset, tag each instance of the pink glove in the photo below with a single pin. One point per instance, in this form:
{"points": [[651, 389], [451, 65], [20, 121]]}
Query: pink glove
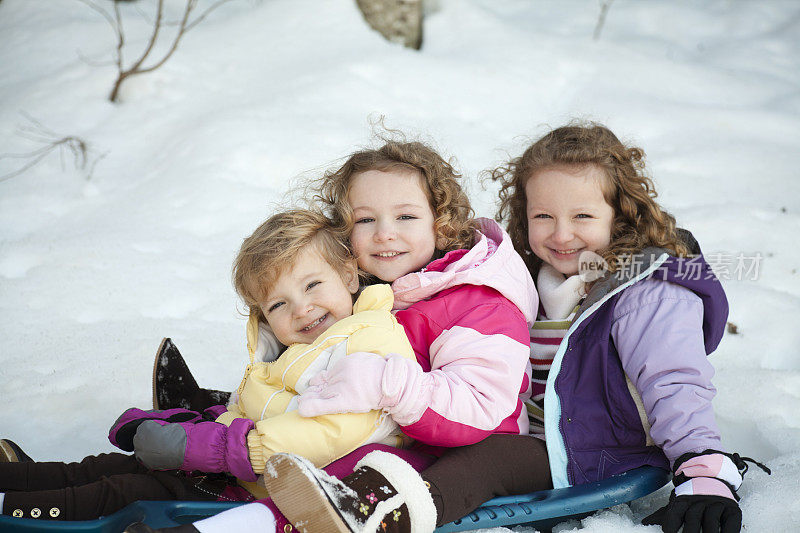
{"points": [[352, 385]]}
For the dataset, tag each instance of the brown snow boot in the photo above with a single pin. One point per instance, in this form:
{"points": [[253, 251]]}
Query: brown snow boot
{"points": [[384, 493], [175, 387]]}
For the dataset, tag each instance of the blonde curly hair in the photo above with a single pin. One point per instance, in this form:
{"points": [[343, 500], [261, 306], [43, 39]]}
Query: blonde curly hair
{"points": [[638, 219], [454, 222], [275, 244]]}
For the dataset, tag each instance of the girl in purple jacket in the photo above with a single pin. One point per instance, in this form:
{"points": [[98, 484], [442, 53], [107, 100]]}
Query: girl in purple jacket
{"points": [[628, 384]]}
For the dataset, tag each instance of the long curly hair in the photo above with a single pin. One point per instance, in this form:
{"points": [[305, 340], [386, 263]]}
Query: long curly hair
{"points": [[454, 222], [638, 219]]}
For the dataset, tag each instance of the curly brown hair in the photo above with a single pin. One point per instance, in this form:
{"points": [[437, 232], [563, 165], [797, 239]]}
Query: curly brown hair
{"points": [[638, 219], [454, 222], [276, 243]]}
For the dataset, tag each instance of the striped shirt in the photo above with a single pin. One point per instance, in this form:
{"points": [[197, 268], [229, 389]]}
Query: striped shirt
{"points": [[546, 336]]}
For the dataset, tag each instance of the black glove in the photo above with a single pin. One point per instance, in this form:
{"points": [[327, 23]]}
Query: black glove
{"points": [[698, 513], [704, 498]]}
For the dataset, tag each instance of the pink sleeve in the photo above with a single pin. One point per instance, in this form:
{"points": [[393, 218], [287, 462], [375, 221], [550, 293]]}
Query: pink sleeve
{"points": [[477, 369]]}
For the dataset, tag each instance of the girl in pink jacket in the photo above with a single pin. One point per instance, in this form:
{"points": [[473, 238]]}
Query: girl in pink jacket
{"points": [[466, 301]]}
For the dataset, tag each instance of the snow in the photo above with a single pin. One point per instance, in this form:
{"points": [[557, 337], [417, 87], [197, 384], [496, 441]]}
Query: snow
{"points": [[265, 94]]}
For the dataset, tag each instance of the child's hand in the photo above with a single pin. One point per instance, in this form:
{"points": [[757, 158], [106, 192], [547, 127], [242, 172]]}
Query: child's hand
{"points": [[204, 446], [352, 385], [704, 507], [124, 428], [705, 494]]}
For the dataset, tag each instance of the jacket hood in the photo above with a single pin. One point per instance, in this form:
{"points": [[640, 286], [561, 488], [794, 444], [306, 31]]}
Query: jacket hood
{"points": [[491, 262]]}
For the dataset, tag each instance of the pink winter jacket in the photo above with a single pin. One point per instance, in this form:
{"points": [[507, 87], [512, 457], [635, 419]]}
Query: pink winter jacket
{"points": [[467, 317]]}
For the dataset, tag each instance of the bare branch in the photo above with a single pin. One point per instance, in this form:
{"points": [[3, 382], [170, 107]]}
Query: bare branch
{"points": [[33, 135], [97, 159], [37, 132], [39, 126], [102, 11], [190, 5], [153, 38], [147, 18], [601, 19], [205, 13], [27, 154], [93, 62], [120, 36], [26, 167], [184, 25]]}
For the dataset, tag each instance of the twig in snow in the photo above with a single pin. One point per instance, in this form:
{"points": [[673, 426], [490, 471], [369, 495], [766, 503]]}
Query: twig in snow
{"points": [[185, 24], [51, 141]]}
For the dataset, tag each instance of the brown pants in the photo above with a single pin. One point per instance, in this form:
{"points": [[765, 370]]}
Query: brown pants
{"points": [[97, 486], [500, 465]]}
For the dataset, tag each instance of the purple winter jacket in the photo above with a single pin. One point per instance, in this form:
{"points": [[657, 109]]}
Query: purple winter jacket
{"points": [[644, 331]]}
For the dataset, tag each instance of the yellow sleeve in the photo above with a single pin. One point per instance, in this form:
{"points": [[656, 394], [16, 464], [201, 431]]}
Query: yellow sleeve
{"points": [[320, 439]]}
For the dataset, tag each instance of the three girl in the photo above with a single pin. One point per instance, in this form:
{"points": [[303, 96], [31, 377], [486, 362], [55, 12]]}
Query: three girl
{"points": [[629, 384]]}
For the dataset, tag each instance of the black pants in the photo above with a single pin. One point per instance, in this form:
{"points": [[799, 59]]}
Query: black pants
{"points": [[500, 465], [97, 486]]}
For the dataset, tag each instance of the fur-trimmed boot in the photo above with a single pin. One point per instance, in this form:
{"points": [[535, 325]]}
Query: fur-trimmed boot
{"points": [[384, 493], [175, 387]]}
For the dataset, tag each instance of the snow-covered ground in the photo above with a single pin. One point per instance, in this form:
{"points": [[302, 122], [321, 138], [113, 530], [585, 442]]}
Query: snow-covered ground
{"points": [[263, 94]]}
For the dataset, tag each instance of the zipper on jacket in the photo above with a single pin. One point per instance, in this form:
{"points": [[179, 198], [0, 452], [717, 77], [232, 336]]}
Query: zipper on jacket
{"points": [[559, 449]]}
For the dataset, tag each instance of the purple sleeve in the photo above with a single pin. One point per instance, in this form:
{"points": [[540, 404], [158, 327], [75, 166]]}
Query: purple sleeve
{"points": [[658, 332]]}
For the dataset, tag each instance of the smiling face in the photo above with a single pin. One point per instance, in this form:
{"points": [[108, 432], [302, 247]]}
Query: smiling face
{"points": [[567, 215], [308, 297], [394, 230]]}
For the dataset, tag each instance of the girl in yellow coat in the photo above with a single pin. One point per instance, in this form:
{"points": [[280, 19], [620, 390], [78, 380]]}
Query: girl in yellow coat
{"points": [[270, 388], [297, 277]]}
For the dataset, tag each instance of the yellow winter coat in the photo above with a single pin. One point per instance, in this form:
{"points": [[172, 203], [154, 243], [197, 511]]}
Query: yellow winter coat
{"points": [[269, 390]]}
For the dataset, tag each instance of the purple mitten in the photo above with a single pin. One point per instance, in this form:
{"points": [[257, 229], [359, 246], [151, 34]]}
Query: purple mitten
{"points": [[204, 446], [214, 412], [124, 428]]}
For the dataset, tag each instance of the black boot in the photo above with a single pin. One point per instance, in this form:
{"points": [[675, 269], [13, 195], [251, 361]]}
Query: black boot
{"points": [[10, 452], [174, 386]]}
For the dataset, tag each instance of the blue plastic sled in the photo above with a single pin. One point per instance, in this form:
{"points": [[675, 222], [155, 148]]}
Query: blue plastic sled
{"points": [[541, 509]]}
